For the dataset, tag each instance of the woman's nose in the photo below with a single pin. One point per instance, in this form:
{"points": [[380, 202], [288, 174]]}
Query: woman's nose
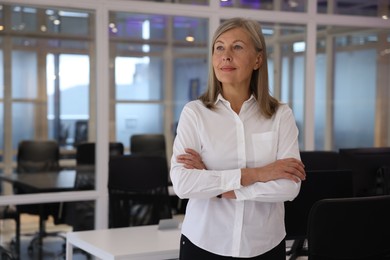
{"points": [[227, 58]]}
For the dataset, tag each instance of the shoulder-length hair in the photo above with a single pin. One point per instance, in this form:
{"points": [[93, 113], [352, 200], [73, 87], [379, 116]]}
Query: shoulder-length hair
{"points": [[259, 81]]}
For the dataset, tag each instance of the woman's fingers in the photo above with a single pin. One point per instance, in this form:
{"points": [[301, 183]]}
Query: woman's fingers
{"points": [[289, 168], [191, 159], [193, 153], [294, 167]]}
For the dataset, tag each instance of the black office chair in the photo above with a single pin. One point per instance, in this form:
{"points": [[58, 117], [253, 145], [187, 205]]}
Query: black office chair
{"points": [[350, 228], [9, 212], [39, 156], [154, 144], [149, 144], [318, 185], [80, 215], [80, 132], [85, 152], [138, 190]]}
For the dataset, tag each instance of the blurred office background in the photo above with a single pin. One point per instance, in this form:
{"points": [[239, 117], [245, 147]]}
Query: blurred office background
{"points": [[104, 70]]}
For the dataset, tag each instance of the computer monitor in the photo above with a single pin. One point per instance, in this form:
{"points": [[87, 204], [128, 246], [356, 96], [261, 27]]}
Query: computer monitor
{"points": [[364, 163]]}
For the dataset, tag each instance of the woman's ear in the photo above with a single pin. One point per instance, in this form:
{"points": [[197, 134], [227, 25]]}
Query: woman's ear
{"points": [[259, 61]]}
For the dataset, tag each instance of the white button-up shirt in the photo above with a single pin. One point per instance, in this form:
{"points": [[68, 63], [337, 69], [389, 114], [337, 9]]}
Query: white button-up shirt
{"points": [[253, 223]]}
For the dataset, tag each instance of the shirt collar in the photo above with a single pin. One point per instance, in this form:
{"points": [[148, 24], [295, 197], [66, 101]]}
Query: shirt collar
{"points": [[222, 99]]}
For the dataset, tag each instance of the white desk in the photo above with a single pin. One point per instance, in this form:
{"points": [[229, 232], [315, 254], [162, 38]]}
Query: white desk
{"points": [[144, 242]]}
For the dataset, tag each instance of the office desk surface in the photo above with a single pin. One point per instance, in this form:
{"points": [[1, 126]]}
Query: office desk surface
{"points": [[144, 242], [43, 182], [63, 180]]}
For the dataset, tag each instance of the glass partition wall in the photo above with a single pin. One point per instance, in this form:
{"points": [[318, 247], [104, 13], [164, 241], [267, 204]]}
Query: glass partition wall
{"points": [[156, 59], [46, 75], [102, 71], [351, 85]]}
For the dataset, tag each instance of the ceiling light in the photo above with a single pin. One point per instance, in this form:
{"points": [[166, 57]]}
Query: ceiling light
{"points": [[293, 4], [190, 38]]}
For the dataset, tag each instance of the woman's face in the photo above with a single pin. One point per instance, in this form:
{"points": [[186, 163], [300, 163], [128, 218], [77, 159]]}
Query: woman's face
{"points": [[234, 58]]}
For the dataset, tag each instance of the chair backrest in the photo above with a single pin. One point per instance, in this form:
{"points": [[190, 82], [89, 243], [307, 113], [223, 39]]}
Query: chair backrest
{"points": [[320, 160], [38, 156], [80, 132], [138, 190], [318, 185], [116, 149], [350, 228], [132, 172], [85, 152], [150, 144]]}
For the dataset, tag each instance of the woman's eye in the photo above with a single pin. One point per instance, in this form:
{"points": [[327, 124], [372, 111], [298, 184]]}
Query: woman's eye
{"points": [[237, 47], [218, 48]]}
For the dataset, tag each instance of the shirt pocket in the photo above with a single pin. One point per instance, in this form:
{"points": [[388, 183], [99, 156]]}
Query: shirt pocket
{"points": [[264, 148]]}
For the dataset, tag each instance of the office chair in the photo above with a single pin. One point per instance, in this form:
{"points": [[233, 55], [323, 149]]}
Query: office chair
{"points": [[9, 212], [350, 228], [80, 214], [80, 132], [6, 254], [85, 152], [38, 156], [150, 144], [154, 144], [318, 185], [138, 190]]}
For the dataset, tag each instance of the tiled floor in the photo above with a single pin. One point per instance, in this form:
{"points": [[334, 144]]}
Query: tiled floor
{"points": [[53, 246]]}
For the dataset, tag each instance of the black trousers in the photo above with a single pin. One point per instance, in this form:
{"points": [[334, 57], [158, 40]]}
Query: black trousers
{"points": [[189, 251]]}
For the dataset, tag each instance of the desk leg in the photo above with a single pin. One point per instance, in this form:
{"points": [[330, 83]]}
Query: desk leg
{"points": [[69, 250]]}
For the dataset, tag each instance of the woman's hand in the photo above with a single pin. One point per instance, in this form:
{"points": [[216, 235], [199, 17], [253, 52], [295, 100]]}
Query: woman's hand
{"points": [[191, 160], [289, 168]]}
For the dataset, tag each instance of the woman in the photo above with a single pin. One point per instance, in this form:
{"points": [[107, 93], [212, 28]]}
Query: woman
{"points": [[236, 155]]}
